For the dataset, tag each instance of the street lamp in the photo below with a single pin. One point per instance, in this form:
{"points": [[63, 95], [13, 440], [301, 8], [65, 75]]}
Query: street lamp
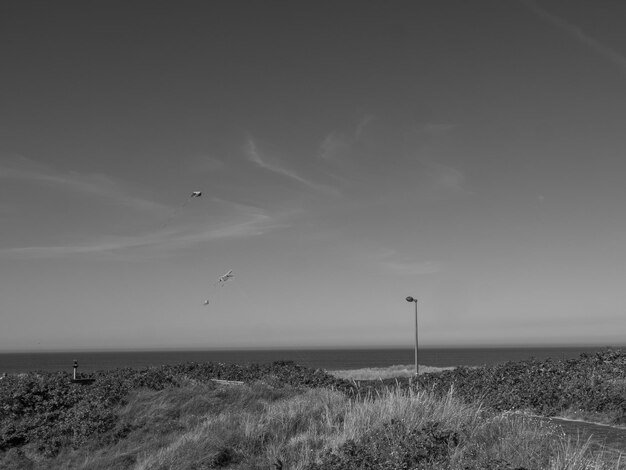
{"points": [[411, 299]]}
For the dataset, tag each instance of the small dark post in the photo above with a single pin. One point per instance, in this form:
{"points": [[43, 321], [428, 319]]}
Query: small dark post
{"points": [[75, 367]]}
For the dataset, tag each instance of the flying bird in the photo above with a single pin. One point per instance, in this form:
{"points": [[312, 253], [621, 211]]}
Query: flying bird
{"points": [[196, 194]]}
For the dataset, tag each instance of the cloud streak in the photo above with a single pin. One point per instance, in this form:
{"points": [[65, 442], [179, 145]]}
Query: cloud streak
{"points": [[389, 262], [446, 178], [254, 223], [409, 268], [336, 144], [405, 148], [576, 32], [255, 157], [98, 185]]}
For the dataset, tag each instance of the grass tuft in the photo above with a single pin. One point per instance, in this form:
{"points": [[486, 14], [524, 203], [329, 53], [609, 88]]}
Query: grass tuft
{"points": [[378, 373]]}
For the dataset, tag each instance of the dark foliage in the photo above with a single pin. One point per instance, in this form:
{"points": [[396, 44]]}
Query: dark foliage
{"points": [[393, 446], [51, 412], [594, 383], [224, 457], [47, 412]]}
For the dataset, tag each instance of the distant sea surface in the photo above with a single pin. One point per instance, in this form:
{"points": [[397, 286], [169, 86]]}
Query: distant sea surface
{"points": [[329, 359]]}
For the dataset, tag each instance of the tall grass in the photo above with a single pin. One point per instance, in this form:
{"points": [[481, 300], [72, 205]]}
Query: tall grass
{"points": [[253, 426], [413, 409], [376, 373]]}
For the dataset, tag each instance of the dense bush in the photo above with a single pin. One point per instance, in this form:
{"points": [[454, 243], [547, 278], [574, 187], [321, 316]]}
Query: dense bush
{"points": [[48, 411], [593, 383], [393, 446], [51, 411]]}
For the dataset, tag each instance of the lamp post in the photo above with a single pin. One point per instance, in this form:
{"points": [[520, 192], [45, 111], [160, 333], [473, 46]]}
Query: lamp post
{"points": [[411, 299]]}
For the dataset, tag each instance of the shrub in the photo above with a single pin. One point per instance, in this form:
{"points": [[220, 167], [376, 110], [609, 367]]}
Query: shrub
{"points": [[51, 412]]}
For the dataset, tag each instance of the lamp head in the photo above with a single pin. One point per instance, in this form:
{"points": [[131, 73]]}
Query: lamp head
{"points": [[411, 299]]}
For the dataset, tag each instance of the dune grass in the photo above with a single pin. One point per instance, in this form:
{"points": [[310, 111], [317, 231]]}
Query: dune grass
{"points": [[202, 426], [178, 418], [377, 373]]}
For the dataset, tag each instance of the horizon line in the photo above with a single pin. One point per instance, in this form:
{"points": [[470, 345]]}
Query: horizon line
{"points": [[314, 348]]}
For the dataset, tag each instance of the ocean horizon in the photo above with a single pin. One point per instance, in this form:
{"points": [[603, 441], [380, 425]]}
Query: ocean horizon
{"points": [[329, 359]]}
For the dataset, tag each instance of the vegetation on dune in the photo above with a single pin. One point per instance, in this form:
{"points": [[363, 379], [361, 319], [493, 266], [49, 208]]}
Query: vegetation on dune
{"points": [[203, 426], [176, 417], [594, 385], [49, 412], [377, 373]]}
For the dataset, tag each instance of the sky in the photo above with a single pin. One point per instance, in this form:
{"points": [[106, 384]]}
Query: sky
{"points": [[349, 154]]}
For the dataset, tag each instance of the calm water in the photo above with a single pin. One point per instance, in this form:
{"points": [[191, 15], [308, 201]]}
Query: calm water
{"points": [[330, 359]]}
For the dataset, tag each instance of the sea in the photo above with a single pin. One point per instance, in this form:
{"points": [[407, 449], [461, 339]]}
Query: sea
{"points": [[328, 359]]}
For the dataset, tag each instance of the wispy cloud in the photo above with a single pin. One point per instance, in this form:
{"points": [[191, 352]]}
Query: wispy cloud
{"points": [[56, 251], [448, 178], [389, 261], [337, 144], [252, 222], [362, 125], [334, 145], [254, 155], [444, 178], [576, 32], [252, 225], [98, 185], [206, 163], [243, 220], [356, 156], [411, 268]]}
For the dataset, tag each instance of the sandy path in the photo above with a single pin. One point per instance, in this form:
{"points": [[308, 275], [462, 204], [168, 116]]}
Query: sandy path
{"points": [[611, 437]]}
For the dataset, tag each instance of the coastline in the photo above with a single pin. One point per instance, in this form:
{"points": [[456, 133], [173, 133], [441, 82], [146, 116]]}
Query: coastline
{"points": [[327, 359]]}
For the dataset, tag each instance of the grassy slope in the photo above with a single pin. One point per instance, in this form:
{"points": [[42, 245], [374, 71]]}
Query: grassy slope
{"points": [[377, 373], [592, 386], [251, 426], [174, 417]]}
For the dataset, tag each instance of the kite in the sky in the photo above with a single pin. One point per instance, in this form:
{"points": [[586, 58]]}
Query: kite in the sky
{"points": [[193, 194], [224, 278]]}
